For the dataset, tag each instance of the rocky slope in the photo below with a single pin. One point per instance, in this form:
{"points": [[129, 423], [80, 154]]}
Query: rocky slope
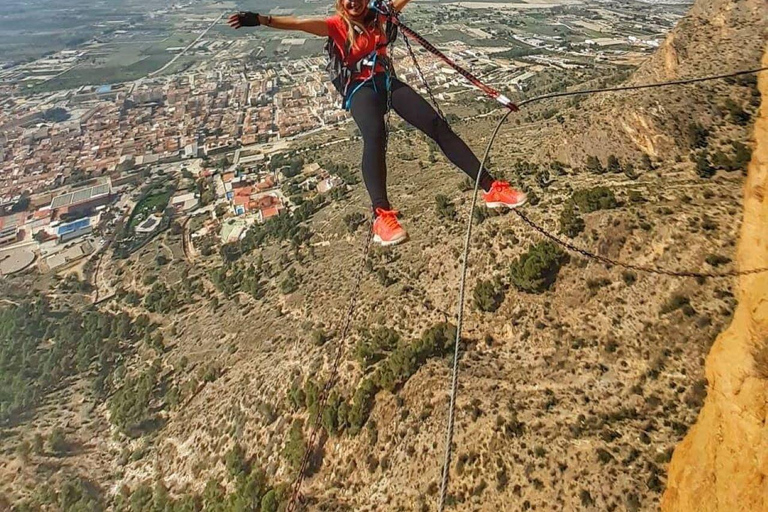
{"points": [[722, 465], [715, 37], [570, 399]]}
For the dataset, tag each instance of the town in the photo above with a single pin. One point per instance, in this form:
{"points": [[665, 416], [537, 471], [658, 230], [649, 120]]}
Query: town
{"points": [[94, 163]]}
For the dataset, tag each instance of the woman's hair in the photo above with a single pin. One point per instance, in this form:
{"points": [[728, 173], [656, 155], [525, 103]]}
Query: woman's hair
{"points": [[351, 24]]}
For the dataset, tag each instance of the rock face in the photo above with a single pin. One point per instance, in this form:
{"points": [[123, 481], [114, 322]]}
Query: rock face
{"points": [[722, 464]]}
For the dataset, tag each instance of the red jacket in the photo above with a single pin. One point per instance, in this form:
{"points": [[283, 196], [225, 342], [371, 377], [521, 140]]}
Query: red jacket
{"points": [[364, 44]]}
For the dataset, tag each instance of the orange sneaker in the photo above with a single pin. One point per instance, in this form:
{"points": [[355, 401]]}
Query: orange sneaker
{"points": [[386, 229], [502, 195]]}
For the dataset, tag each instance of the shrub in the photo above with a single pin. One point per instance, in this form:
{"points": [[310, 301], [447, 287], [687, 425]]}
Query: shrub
{"points": [[629, 277], [445, 208], [290, 282], [296, 397], [703, 168], [362, 403], [57, 442], [235, 461], [353, 221], [269, 502], [571, 223], [697, 136], [488, 296], [717, 259], [374, 345], [614, 165], [295, 447], [738, 115], [593, 199], [636, 197], [129, 407], [536, 270], [742, 154], [646, 162], [319, 337], [330, 417], [677, 301], [594, 165]]}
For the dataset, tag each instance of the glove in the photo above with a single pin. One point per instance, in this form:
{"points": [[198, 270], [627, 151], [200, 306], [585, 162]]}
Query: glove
{"points": [[249, 19], [244, 19]]}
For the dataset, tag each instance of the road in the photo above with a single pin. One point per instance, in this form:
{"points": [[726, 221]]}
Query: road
{"points": [[190, 45]]}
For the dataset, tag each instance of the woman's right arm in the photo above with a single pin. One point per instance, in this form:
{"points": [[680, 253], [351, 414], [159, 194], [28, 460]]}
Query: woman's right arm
{"points": [[314, 26]]}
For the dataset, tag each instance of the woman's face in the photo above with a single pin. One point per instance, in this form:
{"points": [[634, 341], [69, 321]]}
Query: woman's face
{"points": [[355, 8]]}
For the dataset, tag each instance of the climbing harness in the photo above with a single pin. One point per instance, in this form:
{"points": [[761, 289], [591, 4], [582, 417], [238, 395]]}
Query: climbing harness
{"points": [[342, 74]]}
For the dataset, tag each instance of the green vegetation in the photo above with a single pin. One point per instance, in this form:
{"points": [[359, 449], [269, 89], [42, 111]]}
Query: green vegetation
{"points": [[703, 168], [717, 259], [74, 495], [286, 163], [353, 221], [697, 136], [678, 301], [130, 407], [350, 177], [152, 203], [594, 165], [278, 228], [290, 282], [571, 223], [160, 299], [488, 296], [536, 270], [594, 199], [250, 492], [393, 363], [57, 442], [738, 161], [375, 345], [445, 208], [737, 114], [40, 347], [296, 445]]}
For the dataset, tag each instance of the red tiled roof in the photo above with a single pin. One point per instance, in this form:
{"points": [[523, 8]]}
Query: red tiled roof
{"points": [[270, 212], [243, 191]]}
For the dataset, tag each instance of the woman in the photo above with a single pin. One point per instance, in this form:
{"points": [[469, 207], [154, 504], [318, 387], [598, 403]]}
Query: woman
{"points": [[360, 40]]}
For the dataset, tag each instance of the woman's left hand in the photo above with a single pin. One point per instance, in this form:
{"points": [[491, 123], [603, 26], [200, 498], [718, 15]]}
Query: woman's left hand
{"points": [[244, 19]]}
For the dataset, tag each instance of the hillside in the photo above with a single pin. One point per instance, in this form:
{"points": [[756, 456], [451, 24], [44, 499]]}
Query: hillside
{"points": [[192, 388], [720, 465], [715, 37]]}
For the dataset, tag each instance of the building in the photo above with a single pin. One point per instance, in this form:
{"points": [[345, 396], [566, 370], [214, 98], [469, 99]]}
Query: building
{"points": [[8, 235], [149, 225], [71, 230], [68, 255], [82, 201], [184, 202], [329, 184]]}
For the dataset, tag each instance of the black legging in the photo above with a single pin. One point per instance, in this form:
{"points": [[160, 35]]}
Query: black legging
{"points": [[368, 107]]}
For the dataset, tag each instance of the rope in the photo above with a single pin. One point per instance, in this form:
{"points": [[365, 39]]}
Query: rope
{"points": [[331, 382], [630, 266], [423, 80], [459, 320], [642, 86], [462, 283], [488, 90]]}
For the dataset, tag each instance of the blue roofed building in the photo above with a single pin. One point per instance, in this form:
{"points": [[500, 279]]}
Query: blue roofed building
{"points": [[72, 230]]}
